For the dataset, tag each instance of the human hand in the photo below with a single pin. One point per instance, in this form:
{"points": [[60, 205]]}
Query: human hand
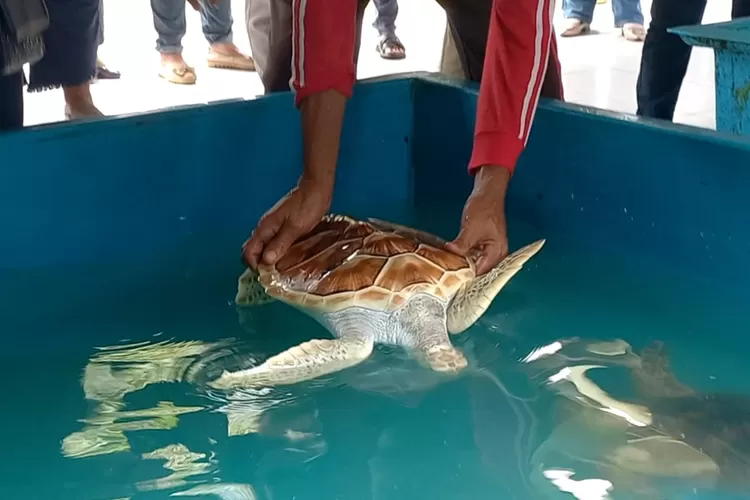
{"points": [[297, 213], [483, 236], [196, 4]]}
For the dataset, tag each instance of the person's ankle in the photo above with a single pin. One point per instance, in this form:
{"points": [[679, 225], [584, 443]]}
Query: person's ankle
{"points": [[225, 48], [172, 57]]}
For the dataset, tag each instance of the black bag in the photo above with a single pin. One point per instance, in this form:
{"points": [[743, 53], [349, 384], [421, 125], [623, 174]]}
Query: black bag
{"points": [[22, 23]]}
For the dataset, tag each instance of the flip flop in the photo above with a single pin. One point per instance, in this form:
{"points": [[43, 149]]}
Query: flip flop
{"points": [[390, 47], [575, 27], [633, 32]]}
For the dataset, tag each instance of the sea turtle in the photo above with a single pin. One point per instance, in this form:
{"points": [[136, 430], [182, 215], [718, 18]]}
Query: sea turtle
{"points": [[672, 431], [371, 282]]}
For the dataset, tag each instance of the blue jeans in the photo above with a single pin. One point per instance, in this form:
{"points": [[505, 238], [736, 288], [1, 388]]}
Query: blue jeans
{"points": [[170, 24], [665, 56], [626, 11], [385, 23]]}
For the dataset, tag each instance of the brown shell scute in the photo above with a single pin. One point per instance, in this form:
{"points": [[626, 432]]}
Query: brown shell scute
{"points": [[405, 270], [351, 276], [345, 262], [446, 260], [387, 245], [306, 275]]}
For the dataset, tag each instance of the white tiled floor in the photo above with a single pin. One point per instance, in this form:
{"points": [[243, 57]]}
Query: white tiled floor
{"points": [[598, 69]]}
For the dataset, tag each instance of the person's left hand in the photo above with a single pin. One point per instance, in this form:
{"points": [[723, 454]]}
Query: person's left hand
{"points": [[483, 236]]}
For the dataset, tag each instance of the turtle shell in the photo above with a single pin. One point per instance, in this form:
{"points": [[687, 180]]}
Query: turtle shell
{"points": [[345, 262]]}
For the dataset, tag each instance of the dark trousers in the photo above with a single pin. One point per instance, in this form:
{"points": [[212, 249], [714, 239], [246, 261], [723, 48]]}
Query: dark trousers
{"points": [[269, 25], [665, 56], [385, 23], [11, 101]]}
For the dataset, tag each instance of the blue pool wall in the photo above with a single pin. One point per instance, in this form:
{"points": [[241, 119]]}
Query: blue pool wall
{"points": [[142, 186]]}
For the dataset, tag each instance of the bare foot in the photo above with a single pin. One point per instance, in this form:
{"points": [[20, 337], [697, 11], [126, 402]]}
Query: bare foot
{"points": [[79, 111], [79, 103]]}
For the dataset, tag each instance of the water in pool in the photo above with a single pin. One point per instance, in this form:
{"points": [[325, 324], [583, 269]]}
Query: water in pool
{"points": [[104, 391]]}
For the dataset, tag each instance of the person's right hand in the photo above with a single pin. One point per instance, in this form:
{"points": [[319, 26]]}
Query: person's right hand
{"points": [[297, 213]]}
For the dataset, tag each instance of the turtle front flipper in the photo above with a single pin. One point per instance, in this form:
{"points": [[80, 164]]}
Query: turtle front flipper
{"points": [[306, 361], [249, 290], [475, 297]]}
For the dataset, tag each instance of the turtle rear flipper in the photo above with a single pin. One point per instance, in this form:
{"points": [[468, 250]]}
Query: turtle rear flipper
{"points": [[655, 379], [473, 299]]}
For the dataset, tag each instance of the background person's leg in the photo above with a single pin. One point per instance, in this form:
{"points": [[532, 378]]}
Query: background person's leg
{"points": [[217, 28], [11, 101], [171, 26], [578, 16], [665, 57], [450, 62], [629, 18], [70, 54], [102, 72], [469, 22], [389, 45], [740, 8], [269, 25]]}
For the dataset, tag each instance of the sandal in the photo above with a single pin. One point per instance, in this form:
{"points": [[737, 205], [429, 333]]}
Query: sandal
{"points": [[178, 73], [633, 32], [390, 47], [239, 62], [575, 27], [104, 73]]}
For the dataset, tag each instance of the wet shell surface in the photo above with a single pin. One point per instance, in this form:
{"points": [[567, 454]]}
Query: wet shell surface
{"points": [[345, 262]]}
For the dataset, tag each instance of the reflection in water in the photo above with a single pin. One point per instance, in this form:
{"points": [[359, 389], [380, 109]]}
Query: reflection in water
{"points": [[553, 433], [672, 433], [226, 491], [116, 372], [181, 461]]}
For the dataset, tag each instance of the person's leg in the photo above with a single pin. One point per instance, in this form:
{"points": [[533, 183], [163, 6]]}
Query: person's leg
{"points": [[171, 26], [665, 57], [70, 55], [629, 18], [389, 46], [11, 101], [578, 16], [269, 25], [217, 28], [740, 8], [450, 62], [102, 72], [469, 24]]}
